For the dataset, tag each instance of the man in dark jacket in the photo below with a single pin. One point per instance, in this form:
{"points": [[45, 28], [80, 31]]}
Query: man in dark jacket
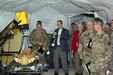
{"points": [[61, 36]]}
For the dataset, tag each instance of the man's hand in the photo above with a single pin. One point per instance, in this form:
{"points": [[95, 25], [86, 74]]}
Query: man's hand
{"points": [[106, 66], [40, 44], [44, 48], [72, 52], [81, 56], [55, 33]]}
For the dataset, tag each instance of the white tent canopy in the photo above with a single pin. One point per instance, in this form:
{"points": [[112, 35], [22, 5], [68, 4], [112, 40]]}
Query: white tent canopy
{"points": [[49, 11]]}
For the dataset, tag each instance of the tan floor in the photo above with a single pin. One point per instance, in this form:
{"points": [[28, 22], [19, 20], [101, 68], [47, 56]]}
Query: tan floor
{"points": [[51, 72]]}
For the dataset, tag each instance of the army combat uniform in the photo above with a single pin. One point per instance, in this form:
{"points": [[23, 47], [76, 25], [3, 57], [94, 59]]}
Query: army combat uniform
{"points": [[77, 56], [70, 57], [86, 51], [37, 38], [112, 50], [71, 33], [109, 33], [101, 54]]}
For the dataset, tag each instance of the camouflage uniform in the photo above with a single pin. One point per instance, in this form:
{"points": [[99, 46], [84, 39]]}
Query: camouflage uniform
{"points": [[86, 52], [37, 37], [70, 36], [101, 54], [77, 56], [112, 50], [109, 33], [70, 58]]}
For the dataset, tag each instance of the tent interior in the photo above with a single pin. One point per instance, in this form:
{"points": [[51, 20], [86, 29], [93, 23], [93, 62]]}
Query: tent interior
{"points": [[49, 11]]}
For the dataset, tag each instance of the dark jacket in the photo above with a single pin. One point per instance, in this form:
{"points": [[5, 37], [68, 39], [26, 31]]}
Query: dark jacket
{"points": [[63, 39]]}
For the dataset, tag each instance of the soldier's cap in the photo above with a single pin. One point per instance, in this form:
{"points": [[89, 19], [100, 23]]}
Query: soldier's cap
{"points": [[39, 22]]}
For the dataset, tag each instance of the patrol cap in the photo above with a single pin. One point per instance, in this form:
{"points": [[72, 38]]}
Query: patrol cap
{"points": [[39, 22]]}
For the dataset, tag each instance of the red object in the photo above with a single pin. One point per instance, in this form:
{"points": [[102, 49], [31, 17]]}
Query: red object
{"points": [[75, 42]]}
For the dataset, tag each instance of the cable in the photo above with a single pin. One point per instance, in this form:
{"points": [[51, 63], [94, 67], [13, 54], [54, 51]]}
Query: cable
{"points": [[91, 10], [101, 10]]}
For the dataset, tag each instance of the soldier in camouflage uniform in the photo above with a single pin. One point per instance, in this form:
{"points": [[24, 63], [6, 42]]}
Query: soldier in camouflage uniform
{"points": [[76, 50], [112, 46], [107, 29], [85, 40], [101, 50], [71, 33], [39, 37]]}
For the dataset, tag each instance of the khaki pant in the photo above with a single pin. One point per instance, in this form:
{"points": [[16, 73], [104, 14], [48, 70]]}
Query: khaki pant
{"points": [[78, 63]]}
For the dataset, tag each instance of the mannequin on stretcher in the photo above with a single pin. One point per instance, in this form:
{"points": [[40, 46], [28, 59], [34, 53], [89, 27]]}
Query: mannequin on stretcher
{"points": [[26, 57]]}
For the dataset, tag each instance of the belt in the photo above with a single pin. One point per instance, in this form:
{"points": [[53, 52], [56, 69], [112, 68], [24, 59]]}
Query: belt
{"points": [[58, 46]]}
